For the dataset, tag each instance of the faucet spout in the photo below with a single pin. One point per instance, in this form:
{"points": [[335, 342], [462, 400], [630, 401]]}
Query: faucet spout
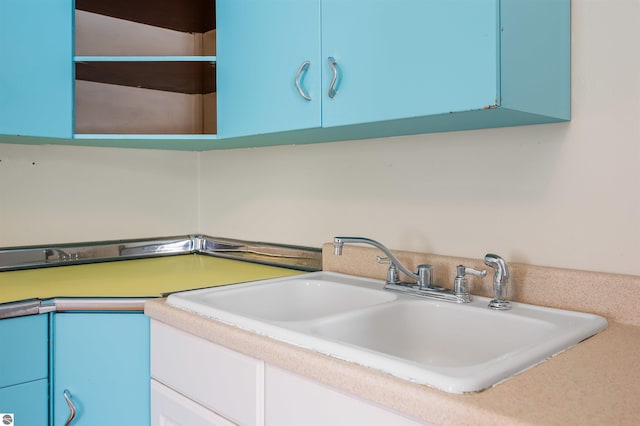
{"points": [[338, 243]]}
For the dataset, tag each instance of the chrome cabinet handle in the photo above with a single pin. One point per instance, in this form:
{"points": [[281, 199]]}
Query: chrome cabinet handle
{"points": [[72, 408], [332, 87], [303, 68]]}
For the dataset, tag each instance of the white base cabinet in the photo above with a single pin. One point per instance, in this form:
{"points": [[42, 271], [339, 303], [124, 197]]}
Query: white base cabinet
{"points": [[196, 382]]}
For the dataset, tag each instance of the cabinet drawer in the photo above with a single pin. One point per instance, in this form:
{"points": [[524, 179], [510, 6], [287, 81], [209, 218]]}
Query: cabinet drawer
{"points": [[319, 405], [27, 402], [23, 352], [224, 381], [168, 407]]}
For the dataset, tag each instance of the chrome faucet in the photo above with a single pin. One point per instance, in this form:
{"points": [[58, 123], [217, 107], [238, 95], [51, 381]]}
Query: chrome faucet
{"points": [[423, 286], [500, 281]]}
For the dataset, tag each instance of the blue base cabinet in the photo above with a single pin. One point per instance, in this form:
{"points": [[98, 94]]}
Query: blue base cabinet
{"points": [[24, 369], [102, 361]]}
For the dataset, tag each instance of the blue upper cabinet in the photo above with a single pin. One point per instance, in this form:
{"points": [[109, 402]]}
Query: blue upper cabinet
{"points": [[130, 73], [207, 74], [389, 67], [36, 76], [262, 47]]}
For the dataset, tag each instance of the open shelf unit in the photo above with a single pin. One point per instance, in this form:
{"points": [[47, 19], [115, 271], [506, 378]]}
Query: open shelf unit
{"points": [[143, 68]]}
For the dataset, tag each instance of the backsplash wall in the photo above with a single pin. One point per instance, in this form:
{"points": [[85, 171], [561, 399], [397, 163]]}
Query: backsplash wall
{"points": [[58, 194], [565, 195]]}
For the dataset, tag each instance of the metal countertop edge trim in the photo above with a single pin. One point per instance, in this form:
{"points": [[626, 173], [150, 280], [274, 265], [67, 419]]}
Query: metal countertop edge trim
{"points": [[61, 304], [288, 256], [20, 308], [66, 304]]}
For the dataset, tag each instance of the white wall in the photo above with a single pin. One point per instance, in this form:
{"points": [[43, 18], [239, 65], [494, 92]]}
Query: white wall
{"points": [[564, 195], [56, 194]]}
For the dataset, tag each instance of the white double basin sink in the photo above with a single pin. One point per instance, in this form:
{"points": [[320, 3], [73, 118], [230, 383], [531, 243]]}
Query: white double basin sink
{"points": [[457, 348]]}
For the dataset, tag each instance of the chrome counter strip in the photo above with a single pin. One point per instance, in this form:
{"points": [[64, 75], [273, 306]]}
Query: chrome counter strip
{"points": [[155, 248], [36, 306], [71, 254], [287, 256], [93, 304], [18, 309]]}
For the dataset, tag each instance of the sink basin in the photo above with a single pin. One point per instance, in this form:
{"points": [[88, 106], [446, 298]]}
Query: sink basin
{"points": [[294, 299], [438, 335], [453, 347]]}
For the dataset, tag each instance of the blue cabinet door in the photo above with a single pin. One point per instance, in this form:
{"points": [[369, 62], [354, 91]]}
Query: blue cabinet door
{"points": [[28, 403], [36, 74], [409, 58], [102, 360], [260, 47]]}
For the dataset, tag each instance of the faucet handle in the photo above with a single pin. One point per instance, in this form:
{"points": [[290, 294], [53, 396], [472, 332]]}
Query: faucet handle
{"points": [[393, 277], [460, 282], [425, 276], [462, 270]]}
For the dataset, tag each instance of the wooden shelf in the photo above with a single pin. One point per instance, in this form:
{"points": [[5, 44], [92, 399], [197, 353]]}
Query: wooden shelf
{"points": [[117, 109], [191, 16], [190, 77], [211, 59]]}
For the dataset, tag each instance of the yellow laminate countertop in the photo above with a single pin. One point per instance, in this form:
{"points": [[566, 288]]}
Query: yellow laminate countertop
{"points": [[150, 277]]}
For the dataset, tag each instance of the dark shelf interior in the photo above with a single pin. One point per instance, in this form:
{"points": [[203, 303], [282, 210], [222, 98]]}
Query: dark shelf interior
{"points": [[191, 16], [179, 77]]}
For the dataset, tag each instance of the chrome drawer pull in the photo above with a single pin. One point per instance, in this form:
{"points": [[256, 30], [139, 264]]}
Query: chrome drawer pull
{"points": [[72, 408], [332, 87], [303, 68]]}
